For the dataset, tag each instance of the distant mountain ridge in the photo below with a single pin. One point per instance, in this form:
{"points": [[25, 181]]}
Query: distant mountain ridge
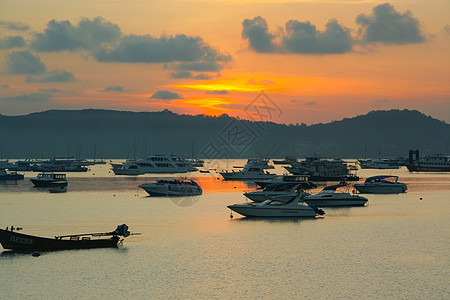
{"points": [[121, 134]]}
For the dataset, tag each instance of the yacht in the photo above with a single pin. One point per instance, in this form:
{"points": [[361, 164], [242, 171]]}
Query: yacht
{"points": [[165, 164], [130, 167], [381, 184], [378, 164], [61, 164], [435, 163], [172, 187], [278, 207], [247, 174], [324, 170], [273, 190], [49, 180], [254, 169], [10, 175], [329, 197], [303, 179]]}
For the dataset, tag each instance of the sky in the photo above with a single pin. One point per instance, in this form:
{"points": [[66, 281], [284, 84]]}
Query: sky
{"points": [[289, 62]]}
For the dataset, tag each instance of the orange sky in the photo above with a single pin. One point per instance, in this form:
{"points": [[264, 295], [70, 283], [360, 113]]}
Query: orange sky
{"points": [[320, 86]]}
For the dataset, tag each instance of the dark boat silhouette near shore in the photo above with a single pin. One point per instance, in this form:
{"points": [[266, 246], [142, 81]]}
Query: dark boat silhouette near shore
{"points": [[11, 239]]}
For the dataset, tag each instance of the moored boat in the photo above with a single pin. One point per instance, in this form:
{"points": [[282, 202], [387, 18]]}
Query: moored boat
{"points": [[435, 163], [11, 239], [172, 187], [275, 190], [329, 197], [381, 184], [278, 207], [49, 180]]}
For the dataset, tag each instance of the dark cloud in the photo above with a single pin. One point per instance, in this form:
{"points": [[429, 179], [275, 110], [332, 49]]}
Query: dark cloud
{"points": [[257, 33], [112, 88], [50, 90], [14, 26], [166, 95], [303, 37], [9, 42], [204, 76], [182, 52], [88, 35], [24, 62], [386, 26], [52, 76], [181, 74], [298, 37], [34, 97], [104, 41], [4, 86], [219, 92], [310, 103]]}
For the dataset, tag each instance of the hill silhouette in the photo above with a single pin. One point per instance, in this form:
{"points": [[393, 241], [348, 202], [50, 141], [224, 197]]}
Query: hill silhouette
{"points": [[122, 134]]}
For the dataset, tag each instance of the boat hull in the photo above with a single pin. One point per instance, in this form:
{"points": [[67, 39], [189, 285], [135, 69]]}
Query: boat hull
{"points": [[256, 211], [155, 190], [320, 202], [365, 189], [415, 168], [23, 242], [47, 183]]}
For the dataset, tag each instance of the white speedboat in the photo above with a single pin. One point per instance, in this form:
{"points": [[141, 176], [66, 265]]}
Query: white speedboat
{"points": [[172, 187], [283, 207], [274, 190], [130, 167], [253, 170], [329, 197], [247, 174], [381, 184], [49, 180]]}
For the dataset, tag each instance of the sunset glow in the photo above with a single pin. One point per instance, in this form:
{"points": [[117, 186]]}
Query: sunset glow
{"points": [[215, 57]]}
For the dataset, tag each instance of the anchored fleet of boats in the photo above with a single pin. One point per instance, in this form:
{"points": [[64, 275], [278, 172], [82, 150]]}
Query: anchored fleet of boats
{"points": [[286, 195]]}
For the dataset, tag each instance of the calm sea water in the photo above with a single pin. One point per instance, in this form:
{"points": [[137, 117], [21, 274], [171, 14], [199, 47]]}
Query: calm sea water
{"points": [[396, 247]]}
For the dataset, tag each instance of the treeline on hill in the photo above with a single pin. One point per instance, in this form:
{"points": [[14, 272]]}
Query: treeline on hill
{"points": [[120, 134]]}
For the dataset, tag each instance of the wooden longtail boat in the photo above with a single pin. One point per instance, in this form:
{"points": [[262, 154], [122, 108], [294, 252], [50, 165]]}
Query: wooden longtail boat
{"points": [[13, 240]]}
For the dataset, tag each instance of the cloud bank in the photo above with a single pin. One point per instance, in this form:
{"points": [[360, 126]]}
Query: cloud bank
{"points": [[105, 42], [18, 26], [24, 62], [9, 42], [384, 26], [166, 95], [113, 88], [63, 36]]}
